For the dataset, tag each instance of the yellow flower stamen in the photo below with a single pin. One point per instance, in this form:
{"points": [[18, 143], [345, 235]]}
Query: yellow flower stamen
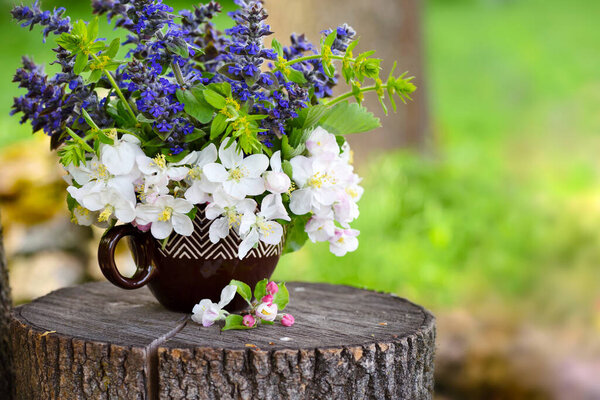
{"points": [[106, 213], [160, 161], [165, 215], [319, 179], [238, 173], [195, 173]]}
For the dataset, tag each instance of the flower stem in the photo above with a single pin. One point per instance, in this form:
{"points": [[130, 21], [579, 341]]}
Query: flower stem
{"points": [[350, 94], [116, 87], [312, 57]]}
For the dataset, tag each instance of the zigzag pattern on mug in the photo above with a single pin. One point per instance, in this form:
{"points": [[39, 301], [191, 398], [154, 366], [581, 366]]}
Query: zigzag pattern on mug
{"points": [[198, 245]]}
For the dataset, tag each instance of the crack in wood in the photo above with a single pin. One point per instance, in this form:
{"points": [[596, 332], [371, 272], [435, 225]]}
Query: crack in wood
{"points": [[152, 358]]}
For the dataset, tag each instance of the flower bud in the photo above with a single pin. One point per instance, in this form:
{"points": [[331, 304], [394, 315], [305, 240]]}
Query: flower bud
{"points": [[267, 299], [287, 320], [266, 312], [277, 182], [272, 288], [248, 321]]}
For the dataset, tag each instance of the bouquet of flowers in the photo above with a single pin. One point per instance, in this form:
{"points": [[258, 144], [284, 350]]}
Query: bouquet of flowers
{"points": [[192, 116]]}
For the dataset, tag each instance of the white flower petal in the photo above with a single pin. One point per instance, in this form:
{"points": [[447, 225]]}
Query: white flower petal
{"points": [[207, 155], [248, 243], [215, 172], [161, 229], [255, 164], [276, 161], [218, 230], [300, 201], [181, 206], [227, 295], [273, 233], [230, 157], [254, 186], [182, 224]]}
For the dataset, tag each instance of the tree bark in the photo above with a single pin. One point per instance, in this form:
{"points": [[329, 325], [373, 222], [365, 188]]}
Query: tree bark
{"points": [[6, 373], [97, 341], [394, 30]]}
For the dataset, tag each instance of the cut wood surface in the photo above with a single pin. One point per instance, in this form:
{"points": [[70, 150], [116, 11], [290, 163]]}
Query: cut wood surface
{"points": [[96, 341]]}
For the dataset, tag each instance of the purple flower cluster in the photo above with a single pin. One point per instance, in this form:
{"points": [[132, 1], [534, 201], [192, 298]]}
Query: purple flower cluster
{"points": [[142, 17], [345, 36], [199, 32], [158, 102], [312, 69], [51, 20], [286, 105], [42, 104], [49, 107]]}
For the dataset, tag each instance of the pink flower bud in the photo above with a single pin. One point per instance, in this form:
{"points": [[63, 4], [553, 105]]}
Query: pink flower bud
{"points": [[272, 288], [143, 228], [287, 320], [248, 321], [267, 299]]}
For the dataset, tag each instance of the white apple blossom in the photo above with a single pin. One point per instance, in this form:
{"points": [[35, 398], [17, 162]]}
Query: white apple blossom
{"points": [[261, 227], [108, 201], [120, 157], [166, 214], [157, 173], [320, 229], [343, 241], [322, 143], [226, 211], [83, 216], [206, 312], [200, 188], [276, 181], [315, 180], [93, 176], [266, 312], [345, 209], [239, 175]]}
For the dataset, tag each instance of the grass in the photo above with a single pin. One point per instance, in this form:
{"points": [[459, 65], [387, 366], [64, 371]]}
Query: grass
{"points": [[507, 210]]}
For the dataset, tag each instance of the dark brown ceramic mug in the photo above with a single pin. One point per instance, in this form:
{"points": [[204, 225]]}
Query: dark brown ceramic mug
{"points": [[189, 268]]}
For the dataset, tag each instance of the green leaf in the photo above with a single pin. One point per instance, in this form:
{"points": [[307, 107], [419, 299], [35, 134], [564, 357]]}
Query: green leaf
{"points": [[296, 236], [92, 30], [260, 290], [214, 99], [346, 118], [218, 126], [113, 48], [282, 297], [277, 47], [234, 322], [67, 42], [296, 76], [223, 88], [144, 120], [290, 152], [286, 166], [80, 63], [330, 38], [243, 290], [192, 137], [195, 105], [95, 76], [179, 47]]}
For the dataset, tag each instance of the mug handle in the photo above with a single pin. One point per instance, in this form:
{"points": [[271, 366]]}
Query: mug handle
{"points": [[141, 254]]}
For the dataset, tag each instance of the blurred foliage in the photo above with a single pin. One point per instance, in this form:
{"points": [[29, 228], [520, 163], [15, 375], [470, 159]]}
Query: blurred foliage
{"points": [[506, 212]]}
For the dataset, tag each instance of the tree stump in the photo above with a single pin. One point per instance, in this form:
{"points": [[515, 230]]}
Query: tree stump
{"points": [[5, 310], [96, 341]]}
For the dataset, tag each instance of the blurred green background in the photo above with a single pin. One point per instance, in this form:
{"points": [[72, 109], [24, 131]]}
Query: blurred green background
{"points": [[496, 227]]}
